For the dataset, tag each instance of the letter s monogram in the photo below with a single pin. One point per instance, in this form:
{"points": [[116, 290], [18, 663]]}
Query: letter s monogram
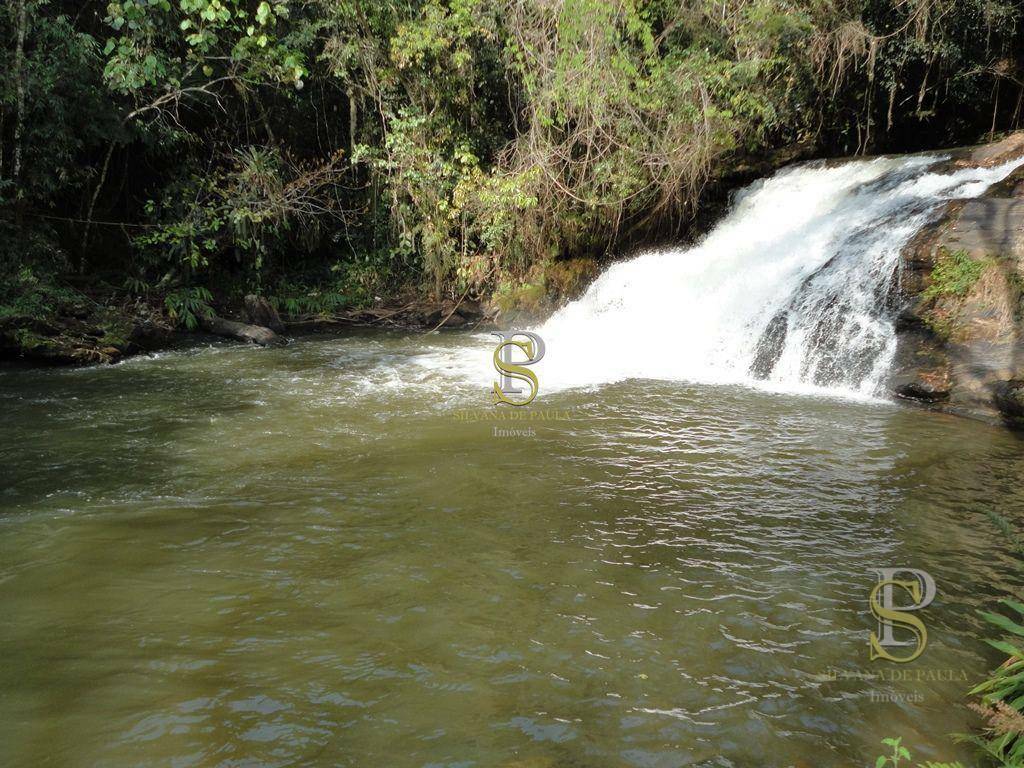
{"points": [[888, 614], [520, 372], [505, 390]]}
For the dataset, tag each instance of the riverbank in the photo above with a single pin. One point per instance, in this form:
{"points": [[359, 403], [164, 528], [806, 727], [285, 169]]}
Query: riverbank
{"points": [[959, 301], [66, 326], [52, 322]]}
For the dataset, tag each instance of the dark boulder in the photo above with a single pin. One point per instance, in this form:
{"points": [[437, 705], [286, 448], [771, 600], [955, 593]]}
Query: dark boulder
{"points": [[261, 312], [1009, 398]]}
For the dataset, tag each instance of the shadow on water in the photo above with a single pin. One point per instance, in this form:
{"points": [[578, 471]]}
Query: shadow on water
{"points": [[104, 432]]}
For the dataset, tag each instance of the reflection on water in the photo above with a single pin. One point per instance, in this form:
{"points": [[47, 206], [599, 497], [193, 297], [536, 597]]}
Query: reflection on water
{"points": [[229, 556]]}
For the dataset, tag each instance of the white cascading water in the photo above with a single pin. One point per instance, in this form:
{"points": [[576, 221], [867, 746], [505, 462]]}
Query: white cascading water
{"points": [[794, 290]]}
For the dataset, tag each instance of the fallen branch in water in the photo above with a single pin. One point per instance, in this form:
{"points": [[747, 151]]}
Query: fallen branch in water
{"points": [[254, 334]]}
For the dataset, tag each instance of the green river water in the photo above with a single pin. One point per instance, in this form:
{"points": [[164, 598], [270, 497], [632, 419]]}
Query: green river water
{"points": [[324, 555]]}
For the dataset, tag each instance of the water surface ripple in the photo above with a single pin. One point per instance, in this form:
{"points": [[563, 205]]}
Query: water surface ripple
{"points": [[226, 556]]}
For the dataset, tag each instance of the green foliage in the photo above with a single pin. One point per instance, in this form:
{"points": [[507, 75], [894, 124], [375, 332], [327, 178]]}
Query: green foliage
{"points": [[1001, 694], [187, 306], [527, 296], [456, 144], [929, 63], [955, 273], [260, 204], [186, 46], [900, 754], [1006, 528], [49, 320], [295, 300], [68, 112], [136, 286], [26, 294]]}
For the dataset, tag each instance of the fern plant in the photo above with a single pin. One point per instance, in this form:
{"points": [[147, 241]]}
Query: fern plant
{"points": [[297, 300], [136, 286], [187, 305], [1001, 695]]}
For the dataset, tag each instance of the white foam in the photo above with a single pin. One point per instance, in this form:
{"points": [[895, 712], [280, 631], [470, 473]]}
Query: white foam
{"points": [[815, 245]]}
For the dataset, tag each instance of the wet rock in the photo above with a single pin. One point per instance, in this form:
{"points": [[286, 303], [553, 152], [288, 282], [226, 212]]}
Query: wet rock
{"points": [[453, 315], [928, 387], [988, 226], [770, 346], [150, 333], [998, 151], [1009, 398], [961, 344], [471, 310], [147, 329], [920, 370], [62, 338], [261, 312]]}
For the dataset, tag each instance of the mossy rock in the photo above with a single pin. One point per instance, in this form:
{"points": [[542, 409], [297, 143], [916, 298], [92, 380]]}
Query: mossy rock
{"points": [[954, 274], [567, 279], [548, 285]]}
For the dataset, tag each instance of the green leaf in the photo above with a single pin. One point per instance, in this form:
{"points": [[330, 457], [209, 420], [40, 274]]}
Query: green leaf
{"points": [[1005, 647], [1018, 607], [1003, 623]]}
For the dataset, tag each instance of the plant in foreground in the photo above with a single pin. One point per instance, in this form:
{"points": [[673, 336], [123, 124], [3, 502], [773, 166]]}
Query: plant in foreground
{"points": [[901, 754], [1002, 694]]}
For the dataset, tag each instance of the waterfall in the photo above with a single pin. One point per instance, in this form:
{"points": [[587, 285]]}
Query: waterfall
{"points": [[795, 289]]}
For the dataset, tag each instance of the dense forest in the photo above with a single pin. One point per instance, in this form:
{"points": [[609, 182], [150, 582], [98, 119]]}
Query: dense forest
{"points": [[323, 153]]}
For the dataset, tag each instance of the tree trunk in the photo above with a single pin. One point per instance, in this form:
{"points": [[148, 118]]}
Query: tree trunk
{"points": [[254, 334], [353, 117], [19, 118], [95, 197]]}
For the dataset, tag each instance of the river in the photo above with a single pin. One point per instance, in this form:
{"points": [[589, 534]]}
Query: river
{"points": [[331, 554]]}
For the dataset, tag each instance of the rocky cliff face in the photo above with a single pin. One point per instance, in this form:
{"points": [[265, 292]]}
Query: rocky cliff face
{"points": [[961, 325]]}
